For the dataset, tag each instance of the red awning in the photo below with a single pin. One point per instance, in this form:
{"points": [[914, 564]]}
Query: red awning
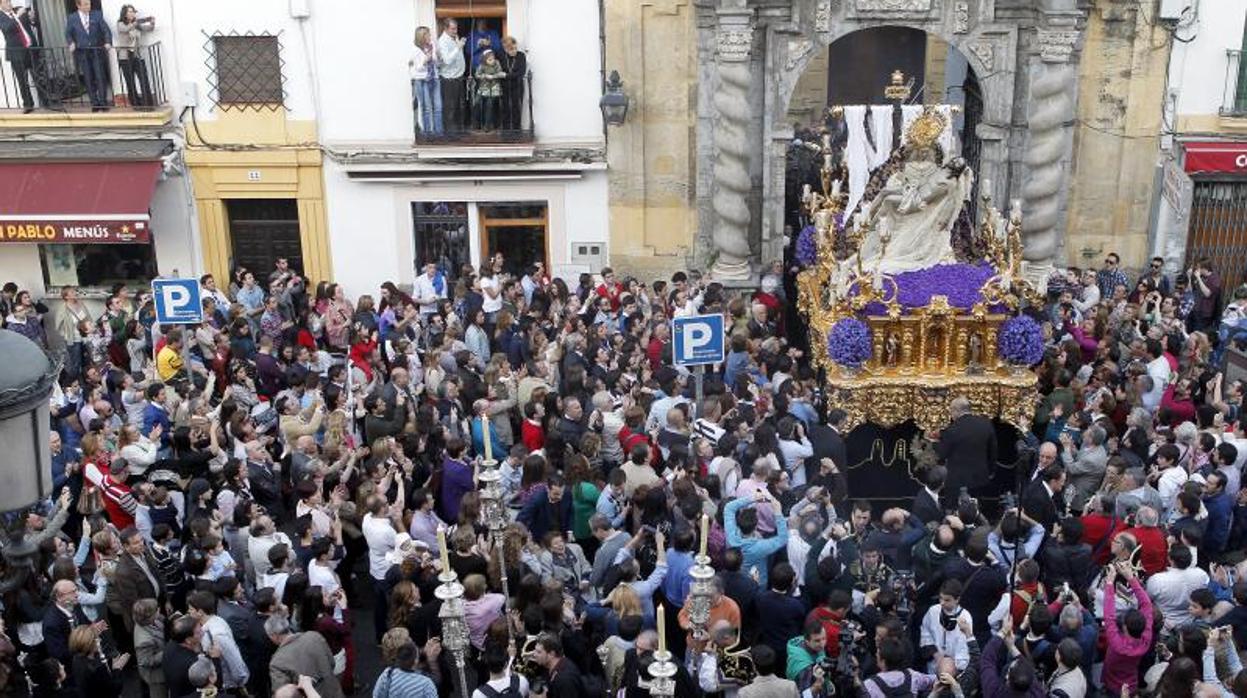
{"points": [[77, 202], [1215, 157]]}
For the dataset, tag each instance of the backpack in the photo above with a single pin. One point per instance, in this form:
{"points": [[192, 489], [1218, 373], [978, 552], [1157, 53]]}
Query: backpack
{"points": [[511, 691], [901, 691]]}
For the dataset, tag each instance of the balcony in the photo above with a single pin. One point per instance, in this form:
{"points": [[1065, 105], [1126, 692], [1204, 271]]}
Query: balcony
{"points": [[1234, 94], [488, 130], [54, 93]]}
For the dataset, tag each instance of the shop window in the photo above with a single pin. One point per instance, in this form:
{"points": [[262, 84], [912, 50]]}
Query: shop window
{"points": [[247, 71], [441, 236], [95, 266]]}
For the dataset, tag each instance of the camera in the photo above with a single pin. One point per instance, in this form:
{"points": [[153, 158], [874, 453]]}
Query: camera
{"points": [[1008, 501], [903, 587]]}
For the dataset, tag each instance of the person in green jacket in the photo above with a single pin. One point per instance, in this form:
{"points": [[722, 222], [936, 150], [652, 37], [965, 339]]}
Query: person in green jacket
{"points": [[806, 651], [584, 502]]}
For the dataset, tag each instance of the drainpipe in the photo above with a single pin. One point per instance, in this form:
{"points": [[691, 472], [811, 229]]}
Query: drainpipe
{"points": [[602, 51]]}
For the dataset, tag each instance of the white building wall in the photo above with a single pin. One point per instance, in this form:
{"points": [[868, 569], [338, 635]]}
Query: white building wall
{"points": [[1198, 70]]}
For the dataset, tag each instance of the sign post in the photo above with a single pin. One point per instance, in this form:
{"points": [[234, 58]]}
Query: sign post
{"points": [[698, 340], [178, 301]]}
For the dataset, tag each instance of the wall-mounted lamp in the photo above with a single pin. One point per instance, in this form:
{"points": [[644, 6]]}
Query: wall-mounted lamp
{"points": [[614, 102]]}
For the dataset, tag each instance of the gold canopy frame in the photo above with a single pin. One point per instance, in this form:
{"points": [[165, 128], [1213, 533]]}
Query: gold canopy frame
{"points": [[921, 357]]}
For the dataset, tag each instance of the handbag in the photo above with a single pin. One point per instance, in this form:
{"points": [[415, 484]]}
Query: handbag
{"points": [[90, 502]]}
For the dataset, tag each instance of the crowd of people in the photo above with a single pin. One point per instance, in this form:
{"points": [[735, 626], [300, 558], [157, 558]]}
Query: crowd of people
{"points": [[228, 494], [473, 82]]}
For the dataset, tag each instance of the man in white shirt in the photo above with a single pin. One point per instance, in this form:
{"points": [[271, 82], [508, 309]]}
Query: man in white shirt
{"points": [[427, 294], [1171, 479], [1090, 293], [1171, 590], [1157, 368], [216, 633], [452, 69], [382, 538]]}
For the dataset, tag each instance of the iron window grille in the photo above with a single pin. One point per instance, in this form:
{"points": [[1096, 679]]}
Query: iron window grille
{"points": [[245, 71]]}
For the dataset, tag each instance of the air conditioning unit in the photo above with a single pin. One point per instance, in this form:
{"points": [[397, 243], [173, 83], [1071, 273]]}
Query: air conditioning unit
{"points": [[1172, 10]]}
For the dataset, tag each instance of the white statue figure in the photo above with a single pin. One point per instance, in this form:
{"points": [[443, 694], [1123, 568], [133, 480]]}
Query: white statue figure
{"points": [[910, 222]]}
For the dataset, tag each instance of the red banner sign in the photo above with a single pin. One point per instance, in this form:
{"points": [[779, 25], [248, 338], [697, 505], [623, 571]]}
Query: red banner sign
{"points": [[1216, 157], [119, 232]]}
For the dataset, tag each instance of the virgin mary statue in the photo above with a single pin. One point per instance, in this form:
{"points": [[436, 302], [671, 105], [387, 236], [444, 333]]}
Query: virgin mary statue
{"points": [[910, 222]]}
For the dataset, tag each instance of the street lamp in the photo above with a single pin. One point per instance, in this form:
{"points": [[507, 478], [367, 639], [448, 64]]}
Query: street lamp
{"points": [[25, 383], [614, 102]]}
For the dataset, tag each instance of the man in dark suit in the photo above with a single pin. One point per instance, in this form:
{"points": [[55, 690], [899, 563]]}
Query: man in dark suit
{"points": [[837, 450], [565, 680], [137, 576], [927, 502], [968, 447], [90, 40], [1042, 501], [181, 652], [548, 511], [61, 617], [19, 39]]}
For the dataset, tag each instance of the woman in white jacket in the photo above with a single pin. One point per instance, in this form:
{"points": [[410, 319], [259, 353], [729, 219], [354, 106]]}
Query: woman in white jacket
{"points": [[138, 451]]}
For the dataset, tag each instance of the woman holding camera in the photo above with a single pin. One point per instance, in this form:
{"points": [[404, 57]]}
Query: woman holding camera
{"points": [[129, 42]]}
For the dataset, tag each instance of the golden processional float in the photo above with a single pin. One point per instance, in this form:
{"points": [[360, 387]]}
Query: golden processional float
{"points": [[900, 345]]}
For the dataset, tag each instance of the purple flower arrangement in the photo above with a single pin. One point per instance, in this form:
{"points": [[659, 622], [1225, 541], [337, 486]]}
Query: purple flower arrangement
{"points": [[848, 343], [1021, 341], [807, 247], [960, 282]]}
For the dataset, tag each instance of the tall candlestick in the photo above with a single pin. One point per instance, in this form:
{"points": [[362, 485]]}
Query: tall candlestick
{"points": [[441, 543], [662, 630], [705, 533], [489, 451]]}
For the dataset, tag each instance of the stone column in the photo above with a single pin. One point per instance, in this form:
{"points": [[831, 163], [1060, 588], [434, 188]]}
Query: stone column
{"points": [[732, 183], [1051, 111]]}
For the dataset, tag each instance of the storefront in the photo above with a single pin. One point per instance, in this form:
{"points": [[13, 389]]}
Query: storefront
{"points": [[69, 219], [1218, 213]]}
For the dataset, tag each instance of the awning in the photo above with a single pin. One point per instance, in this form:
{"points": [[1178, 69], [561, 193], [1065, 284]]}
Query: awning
{"points": [[1215, 157], [77, 202]]}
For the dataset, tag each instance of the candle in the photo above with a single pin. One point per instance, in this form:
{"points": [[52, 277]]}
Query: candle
{"points": [[662, 630], [441, 543], [986, 187], [489, 451], [705, 533], [835, 188], [805, 192]]}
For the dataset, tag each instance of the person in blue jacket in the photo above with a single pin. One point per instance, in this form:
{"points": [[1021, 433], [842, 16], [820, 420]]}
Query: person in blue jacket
{"points": [[740, 519]]}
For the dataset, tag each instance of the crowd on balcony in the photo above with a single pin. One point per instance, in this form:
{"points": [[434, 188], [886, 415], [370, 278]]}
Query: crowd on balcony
{"points": [[91, 41], [467, 83]]}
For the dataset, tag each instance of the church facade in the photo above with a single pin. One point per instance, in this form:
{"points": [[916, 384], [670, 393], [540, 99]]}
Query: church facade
{"points": [[720, 88]]}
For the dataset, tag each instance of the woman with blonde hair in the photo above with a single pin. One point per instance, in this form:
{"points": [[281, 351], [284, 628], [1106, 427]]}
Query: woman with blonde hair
{"points": [[423, 67], [620, 603], [93, 674]]}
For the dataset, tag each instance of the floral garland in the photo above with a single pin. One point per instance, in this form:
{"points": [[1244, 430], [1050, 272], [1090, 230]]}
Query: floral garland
{"points": [[1021, 341], [807, 247], [848, 343]]}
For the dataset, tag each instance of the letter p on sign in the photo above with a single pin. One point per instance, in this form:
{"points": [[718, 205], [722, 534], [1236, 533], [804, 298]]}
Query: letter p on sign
{"points": [[698, 340], [177, 301]]}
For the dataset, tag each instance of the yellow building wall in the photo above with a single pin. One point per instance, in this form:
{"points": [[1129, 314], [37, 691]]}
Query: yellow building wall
{"points": [[653, 220], [222, 156], [1121, 90]]}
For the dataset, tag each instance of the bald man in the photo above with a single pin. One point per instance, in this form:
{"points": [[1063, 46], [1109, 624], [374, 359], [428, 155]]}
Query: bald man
{"points": [[61, 617]]}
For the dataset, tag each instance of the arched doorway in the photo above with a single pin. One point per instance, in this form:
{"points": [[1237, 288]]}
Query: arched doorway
{"points": [[843, 94], [936, 73]]}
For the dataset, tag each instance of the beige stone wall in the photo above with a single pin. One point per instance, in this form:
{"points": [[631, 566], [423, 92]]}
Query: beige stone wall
{"points": [[652, 157], [1121, 88], [809, 97], [936, 64]]}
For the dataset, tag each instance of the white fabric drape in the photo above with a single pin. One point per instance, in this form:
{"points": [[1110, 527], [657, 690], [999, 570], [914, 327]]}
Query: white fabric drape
{"points": [[862, 158]]}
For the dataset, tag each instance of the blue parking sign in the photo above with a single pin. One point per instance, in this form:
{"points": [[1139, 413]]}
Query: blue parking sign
{"points": [[698, 340], [178, 301]]}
